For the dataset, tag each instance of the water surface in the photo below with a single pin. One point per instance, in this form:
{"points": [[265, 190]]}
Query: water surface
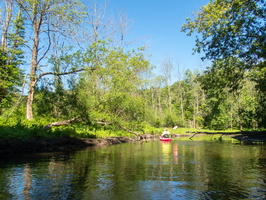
{"points": [[152, 170]]}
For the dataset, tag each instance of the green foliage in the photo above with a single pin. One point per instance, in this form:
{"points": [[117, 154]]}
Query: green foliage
{"points": [[113, 89], [15, 128], [23, 129], [230, 28], [108, 91], [226, 73], [233, 35], [57, 105], [228, 104], [258, 75], [169, 121], [10, 60]]}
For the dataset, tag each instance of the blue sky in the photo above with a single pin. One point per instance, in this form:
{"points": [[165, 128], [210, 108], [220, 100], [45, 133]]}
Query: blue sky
{"points": [[158, 24]]}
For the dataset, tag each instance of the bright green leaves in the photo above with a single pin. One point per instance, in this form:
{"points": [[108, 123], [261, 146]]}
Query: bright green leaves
{"points": [[230, 28], [125, 69], [10, 77], [64, 10], [231, 95], [11, 57], [109, 89], [231, 33]]}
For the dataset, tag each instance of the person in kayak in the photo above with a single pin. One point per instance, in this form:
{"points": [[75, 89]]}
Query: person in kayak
{"points": [[166, 133]]}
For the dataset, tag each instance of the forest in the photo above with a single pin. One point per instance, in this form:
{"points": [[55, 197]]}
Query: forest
{"points": [[66, 68]]}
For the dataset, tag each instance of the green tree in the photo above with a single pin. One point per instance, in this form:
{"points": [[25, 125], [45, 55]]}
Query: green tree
{"points": [[231, 28], [167, 69], [229, 104], [44, 17], [214, 83], [53, 97], [248, 104], [192, 99], [110, 92], [11, 57], [258, 75]]}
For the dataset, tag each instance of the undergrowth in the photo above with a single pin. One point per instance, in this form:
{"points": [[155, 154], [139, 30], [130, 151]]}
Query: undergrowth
{"points": [[23, 129]]}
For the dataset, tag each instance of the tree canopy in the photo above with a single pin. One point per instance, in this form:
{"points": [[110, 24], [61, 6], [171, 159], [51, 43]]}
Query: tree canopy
{"points": [[232, 33], [231, 28]]}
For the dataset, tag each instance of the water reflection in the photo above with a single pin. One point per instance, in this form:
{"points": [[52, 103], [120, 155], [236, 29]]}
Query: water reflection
{"points": [[154, 170]]}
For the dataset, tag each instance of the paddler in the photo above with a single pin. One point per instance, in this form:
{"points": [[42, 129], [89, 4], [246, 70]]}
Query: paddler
{"points": [[166, 133]]}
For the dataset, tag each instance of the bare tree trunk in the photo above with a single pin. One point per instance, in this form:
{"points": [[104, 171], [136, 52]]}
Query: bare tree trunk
{"points": [[29, 112], [196, 104], [27, 185], [182, 107], [66, 122], [159, 105], [39, 16], [9, 7], [123, 27], [152, 99], [179, 75], [126, 129], [197, 109], [195, 114], [169, 99], [167, 67], [34, 63]]}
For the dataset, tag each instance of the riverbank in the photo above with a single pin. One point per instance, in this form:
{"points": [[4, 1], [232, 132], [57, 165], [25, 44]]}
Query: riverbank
{"points": [[18, 146], [35, 145], [242, 136]]}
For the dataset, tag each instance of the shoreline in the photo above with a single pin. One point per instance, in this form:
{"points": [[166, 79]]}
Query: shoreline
{"points": [[9, 147], [243, 136]]}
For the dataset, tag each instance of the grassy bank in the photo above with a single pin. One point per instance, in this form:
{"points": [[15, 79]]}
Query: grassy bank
{"points": [[17, 129], [28, 137], [32, 130], [24, 129]]}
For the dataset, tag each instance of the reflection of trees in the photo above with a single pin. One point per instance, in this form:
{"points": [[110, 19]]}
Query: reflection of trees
{"points": [[226, 168], [215, 170], [6, 174], [27, 184], [262, 169]]}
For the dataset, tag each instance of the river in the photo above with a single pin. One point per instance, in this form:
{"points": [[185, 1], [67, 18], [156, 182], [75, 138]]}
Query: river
{"points": [[180, 169]]}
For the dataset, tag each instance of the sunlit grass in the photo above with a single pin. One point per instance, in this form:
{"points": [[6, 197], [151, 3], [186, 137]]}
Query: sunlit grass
{"points": [[194, 130], [214, 138], [14, 128], [98, 133]]}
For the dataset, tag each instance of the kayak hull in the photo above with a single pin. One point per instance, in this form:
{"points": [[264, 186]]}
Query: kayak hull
{"points": [[165, 139]]}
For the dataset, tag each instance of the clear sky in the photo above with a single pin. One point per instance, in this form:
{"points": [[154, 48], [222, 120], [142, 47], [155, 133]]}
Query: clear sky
{"points": [[158, 24]]}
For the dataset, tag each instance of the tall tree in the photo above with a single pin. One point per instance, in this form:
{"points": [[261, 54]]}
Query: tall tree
{"points": [[231, 28], [234, 29], [44, 17], [11, 57], [98, 23], [6, 23], [167, 69], [179, 92], [110, 91]]}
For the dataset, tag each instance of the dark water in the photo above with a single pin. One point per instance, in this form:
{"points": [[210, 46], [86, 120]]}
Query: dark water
{"points": [[153, 170]]}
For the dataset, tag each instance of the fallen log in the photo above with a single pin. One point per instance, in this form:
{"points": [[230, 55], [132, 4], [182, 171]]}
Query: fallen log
{"points": [[193, 135], [75, 119], [126, 129], [65, 122]]}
